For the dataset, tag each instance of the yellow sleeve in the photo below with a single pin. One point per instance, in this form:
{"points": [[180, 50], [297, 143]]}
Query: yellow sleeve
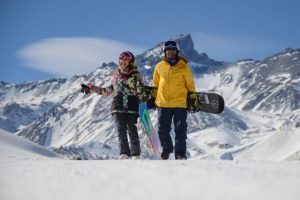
{"points": [[189, 81], [155, 77]]}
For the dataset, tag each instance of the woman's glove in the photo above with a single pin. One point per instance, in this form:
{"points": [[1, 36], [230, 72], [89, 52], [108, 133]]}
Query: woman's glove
{"points": [[86, 88]]}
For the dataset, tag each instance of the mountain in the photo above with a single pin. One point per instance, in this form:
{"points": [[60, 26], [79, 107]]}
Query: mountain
{"points": [[199, 62], [274, 81], [262, 106]]}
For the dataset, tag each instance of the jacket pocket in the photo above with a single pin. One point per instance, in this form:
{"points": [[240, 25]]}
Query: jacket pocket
{"points": [[117, 102], [133, 103]]}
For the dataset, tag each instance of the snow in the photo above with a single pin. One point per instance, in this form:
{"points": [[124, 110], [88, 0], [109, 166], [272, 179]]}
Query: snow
{"points": [[14, 147], [23, 176], [279, 146], [297, 87], [280, 78], [222, 82], [214, 136], [147, 67], [157, 51]]}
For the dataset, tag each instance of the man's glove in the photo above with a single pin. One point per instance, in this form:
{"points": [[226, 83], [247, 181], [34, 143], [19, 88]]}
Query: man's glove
{"points": [[153, 93], [193, 102], [151, 99], [194, 97], [86, 88]]}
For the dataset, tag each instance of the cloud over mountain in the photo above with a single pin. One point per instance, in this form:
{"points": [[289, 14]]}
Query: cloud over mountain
{"points": [[72, 55]]}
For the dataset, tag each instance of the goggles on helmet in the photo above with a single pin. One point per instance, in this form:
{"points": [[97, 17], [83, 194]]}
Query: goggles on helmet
{"points": [[170, 45], [126, 56]]}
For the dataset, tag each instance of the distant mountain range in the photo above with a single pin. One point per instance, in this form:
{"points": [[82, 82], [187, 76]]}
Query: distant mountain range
{"points": [[261, 118]]}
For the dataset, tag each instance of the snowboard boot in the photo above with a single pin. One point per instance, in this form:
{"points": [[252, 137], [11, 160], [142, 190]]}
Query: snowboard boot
{"points": [[164, 155], [123, 157], [181, 157], [135, 157]]}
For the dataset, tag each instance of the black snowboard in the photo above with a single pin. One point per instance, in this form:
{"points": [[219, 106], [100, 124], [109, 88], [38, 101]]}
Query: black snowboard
{"points": [[208, 102]]}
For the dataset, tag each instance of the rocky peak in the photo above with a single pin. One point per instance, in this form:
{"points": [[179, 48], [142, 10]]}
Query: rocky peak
{"points": [[147, 60]]}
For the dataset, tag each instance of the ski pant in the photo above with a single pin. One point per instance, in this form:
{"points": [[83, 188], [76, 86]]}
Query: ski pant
{"points": [[126, 123], [179, 116]]}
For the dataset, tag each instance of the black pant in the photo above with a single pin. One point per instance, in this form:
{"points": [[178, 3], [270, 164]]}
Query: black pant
{"points": [[127, 122], [165, 116]]}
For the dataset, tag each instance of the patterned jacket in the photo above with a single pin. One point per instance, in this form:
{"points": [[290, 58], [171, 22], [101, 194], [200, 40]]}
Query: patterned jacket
{"points": [[127, 90]]}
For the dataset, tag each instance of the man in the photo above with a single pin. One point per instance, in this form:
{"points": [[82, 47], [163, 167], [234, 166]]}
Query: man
{"points": [[173, 78]]}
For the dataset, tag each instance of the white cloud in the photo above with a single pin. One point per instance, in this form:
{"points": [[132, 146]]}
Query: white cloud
{"points": [[232, 48], [73, 56]]}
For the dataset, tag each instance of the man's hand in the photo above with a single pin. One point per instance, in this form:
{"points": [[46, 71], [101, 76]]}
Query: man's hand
{"points": [[194, 98], [192, 102]]}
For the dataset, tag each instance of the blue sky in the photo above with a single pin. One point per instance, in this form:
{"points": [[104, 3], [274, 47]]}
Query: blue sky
{"points": [[41, 39]]}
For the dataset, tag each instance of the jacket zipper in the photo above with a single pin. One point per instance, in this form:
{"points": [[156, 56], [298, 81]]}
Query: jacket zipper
{"points": [[169, 77]]}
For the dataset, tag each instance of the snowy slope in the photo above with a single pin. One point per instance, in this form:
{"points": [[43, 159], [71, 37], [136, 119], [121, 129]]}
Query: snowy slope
{"points": [[135, 180], [48, 177], [15, 147]]}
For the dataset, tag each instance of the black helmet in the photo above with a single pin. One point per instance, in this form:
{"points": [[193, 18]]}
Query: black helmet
{"points": [[170, 45]]}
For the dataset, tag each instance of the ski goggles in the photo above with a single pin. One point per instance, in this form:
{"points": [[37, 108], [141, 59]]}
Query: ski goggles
{"points": [[125, 56], [170, 45]]}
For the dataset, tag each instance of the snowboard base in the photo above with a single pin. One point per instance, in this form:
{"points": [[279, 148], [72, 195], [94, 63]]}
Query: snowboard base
{"points": [[208, 102], [149, 129]]}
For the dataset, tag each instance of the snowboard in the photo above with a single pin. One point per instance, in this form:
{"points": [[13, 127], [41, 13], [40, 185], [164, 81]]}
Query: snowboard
{"points": [[208, 102], [149, 129]]}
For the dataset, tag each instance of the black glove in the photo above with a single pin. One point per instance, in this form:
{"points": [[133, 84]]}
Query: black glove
{"points": [[85, 89]]}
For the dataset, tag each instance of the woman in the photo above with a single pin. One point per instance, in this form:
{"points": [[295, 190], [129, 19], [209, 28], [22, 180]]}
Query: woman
{"points": [[127, 90]]}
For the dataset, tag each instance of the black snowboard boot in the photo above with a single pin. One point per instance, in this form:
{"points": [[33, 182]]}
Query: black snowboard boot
{"points": [[164, 155], [181, 157]]}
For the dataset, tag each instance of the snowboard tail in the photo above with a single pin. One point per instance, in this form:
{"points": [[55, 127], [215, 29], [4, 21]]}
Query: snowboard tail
{"points": [[149, 129], [207, 102]]}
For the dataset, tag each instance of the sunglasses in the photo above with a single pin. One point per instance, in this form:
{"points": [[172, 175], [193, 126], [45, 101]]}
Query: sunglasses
{"points": [[125, 56]]}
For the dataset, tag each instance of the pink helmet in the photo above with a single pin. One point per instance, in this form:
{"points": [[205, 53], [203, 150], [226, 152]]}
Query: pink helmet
{"points": [[127, 55]]}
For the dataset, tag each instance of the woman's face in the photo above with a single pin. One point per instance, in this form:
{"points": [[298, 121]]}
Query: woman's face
{"points": [[124, 64]]}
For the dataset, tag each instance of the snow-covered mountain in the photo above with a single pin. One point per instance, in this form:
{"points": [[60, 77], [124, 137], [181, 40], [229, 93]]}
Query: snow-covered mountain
{"points": [[260, 121], [200, 62]]}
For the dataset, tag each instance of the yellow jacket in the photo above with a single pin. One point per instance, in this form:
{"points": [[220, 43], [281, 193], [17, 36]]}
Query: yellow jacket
{"points": [[173, 83]]}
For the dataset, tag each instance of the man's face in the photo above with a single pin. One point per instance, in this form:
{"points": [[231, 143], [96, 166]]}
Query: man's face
{"points": [[171, 53]]}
